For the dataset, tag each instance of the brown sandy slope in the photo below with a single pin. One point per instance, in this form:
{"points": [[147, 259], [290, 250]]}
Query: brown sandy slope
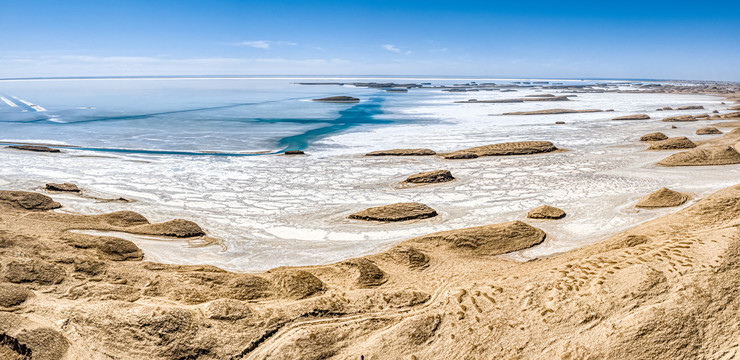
{"points": [[666, 289]]}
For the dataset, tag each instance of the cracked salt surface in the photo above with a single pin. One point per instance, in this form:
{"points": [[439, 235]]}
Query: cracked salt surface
{"points": [[277, 210]]}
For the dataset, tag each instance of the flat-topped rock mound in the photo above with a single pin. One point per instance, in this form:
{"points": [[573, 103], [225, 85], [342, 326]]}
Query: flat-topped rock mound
{"points": [[430, 177], [546, 212], [732, 115], [338, 99], [709, 130], [663, 198], [487, 240], [719, 155], [403, 152], [62, 187], [681, 118], [680, 142], [107, 247], [553, 112], [28, 200], [501, 149], [633, 117], [294, 152], [123, 218], [656, 136], [541, 95], [395, 212], [175, 228], [524, 99], [690, 107], [35, 148]]}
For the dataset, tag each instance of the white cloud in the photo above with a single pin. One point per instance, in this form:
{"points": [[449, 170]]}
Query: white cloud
{"points": [[264, 44], [259, 44], [391, 48]]}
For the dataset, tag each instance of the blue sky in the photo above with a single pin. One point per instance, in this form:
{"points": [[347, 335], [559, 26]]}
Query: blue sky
{"points": [[573, 39]]}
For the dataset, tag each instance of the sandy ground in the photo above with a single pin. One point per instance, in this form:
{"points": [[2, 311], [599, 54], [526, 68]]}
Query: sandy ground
{"points": [[73, 287]]}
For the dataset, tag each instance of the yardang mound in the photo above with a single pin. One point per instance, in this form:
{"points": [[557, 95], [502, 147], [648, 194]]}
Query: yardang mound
{"points": [[402, 152], [487, 240], [28, 200], [429, 177], [709, 130], [395, 212], [552, 112], [719, 155], [663, 198], [62, 187], [35, 148], [546, 212], [656, 136], [338, 99], [510, 148], [680, 142], [633, 117]]}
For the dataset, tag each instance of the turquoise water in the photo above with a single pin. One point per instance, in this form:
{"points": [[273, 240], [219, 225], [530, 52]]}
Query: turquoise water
{"points": [[197, 116], [182, 116]]}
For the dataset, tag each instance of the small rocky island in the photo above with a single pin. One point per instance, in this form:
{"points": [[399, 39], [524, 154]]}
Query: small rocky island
{"points": [[338, 99]]}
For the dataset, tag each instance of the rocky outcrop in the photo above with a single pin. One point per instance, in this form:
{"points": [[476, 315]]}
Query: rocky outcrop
{"points": [[395, 212], [294, 152], [546, 212], [690, 107], [338, 99], [402, 152], [656, 136], [681, 118], [366, 273], [108, 247], [709, 130], [505, 101], [501, 149], [33, 271], [487, 240], [62, 187], [176, 228], [35, 148], [123, 218], [680, 142], [297, 284], [663, 198], [633, 117], [719, 155], [28, 200], [552, 112], [13, 295], [430, 177]]}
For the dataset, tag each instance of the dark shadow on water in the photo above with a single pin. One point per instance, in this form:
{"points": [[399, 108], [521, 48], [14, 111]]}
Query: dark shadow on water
{"points": [[360, 114]]}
